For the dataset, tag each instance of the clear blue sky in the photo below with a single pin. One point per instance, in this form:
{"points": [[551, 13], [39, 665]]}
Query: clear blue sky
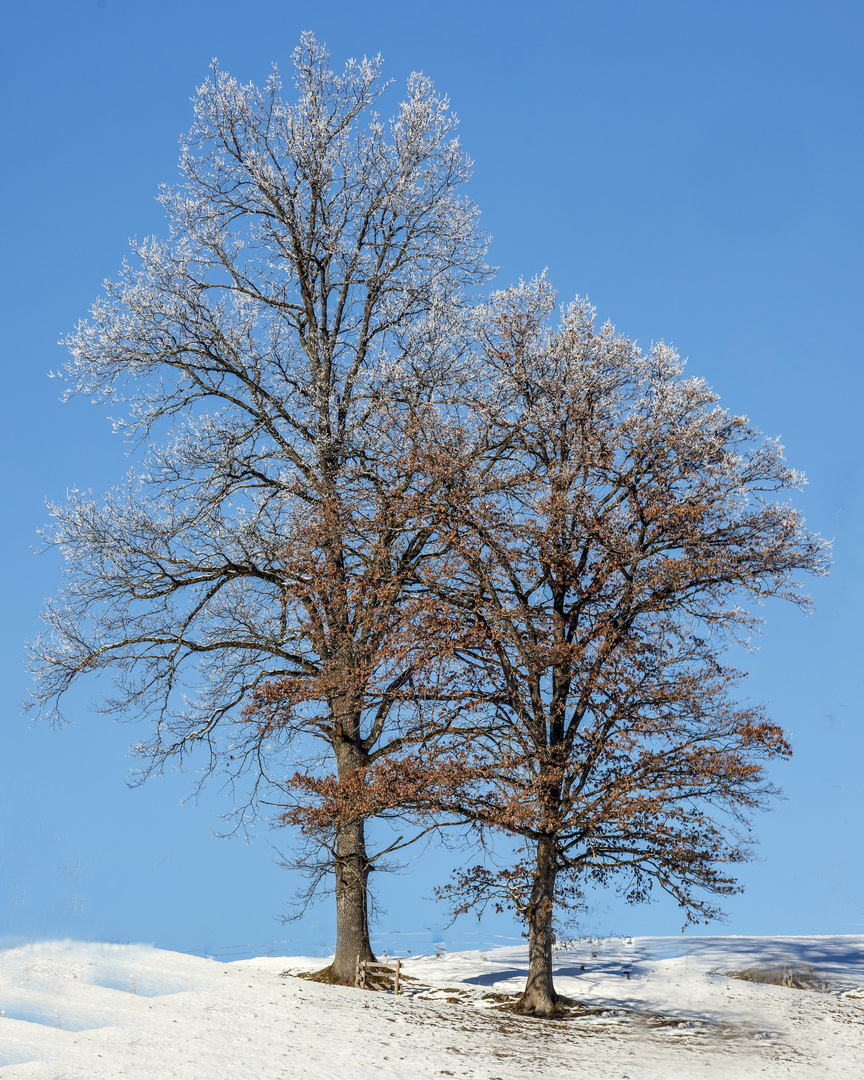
{"points": [[694, 167]]}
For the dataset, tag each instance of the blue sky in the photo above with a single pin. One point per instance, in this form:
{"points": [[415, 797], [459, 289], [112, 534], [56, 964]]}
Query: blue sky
{"points": [[695, 168]]}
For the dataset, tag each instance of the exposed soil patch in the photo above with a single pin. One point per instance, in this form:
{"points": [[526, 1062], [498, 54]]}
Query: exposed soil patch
{"points": [[795, 976]]}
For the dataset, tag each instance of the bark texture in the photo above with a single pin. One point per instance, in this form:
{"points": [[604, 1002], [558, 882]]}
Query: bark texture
{"points": [[352, 908], [539, 997], [352, 867]]}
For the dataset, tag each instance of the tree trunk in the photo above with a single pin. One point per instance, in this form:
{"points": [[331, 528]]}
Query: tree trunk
{"points": [[352, 902], [539, 997], [351, 866]]}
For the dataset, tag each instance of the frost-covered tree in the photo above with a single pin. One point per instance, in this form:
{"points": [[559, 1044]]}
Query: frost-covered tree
{"points": [[281, 359], [635, 526]]}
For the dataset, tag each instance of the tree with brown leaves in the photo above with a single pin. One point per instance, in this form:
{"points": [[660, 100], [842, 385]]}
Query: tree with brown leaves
{"points": [[280, 357], [594, 596]]}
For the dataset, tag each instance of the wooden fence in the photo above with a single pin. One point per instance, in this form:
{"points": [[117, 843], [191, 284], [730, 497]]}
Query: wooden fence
{"points": [[370, 975]]}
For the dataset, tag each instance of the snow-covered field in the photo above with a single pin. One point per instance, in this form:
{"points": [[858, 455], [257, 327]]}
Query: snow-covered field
{"points": [[85, 1012]]}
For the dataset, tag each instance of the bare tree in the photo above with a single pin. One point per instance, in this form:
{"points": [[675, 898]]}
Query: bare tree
{"points": [[276, 359], [587, 603], [600, 588]]}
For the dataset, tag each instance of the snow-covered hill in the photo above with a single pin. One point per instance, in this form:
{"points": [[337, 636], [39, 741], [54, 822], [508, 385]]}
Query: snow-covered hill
{"points": [[654, 1008]]}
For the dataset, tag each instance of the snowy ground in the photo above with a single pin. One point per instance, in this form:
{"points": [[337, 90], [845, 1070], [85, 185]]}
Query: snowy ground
{"points": [[86, 1012]]}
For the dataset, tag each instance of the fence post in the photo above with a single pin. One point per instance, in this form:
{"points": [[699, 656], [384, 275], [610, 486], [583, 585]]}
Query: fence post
{"points": [[396, 980]]}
